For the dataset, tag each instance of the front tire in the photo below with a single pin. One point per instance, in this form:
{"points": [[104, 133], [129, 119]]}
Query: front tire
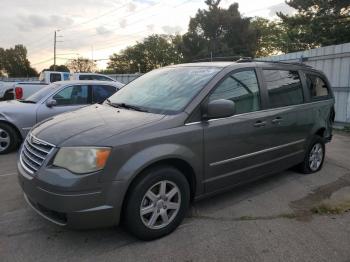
{"points": [[157, 203], [314, 156], [9, 139]]}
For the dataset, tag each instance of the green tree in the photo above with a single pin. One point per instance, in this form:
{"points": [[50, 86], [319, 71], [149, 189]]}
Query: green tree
{"points": [[271, 37], [59, 68], [153, 52], [219, 32], [81, 65], [15, 63], [316, 23]]}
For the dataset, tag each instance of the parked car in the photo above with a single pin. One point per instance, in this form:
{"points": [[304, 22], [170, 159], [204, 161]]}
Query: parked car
{"points": [[18, 117], [22, 90], [174, 135], [91, 76]]}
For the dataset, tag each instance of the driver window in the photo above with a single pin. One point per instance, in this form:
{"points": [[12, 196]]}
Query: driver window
{"points": [[242, 88], [73, 95]]}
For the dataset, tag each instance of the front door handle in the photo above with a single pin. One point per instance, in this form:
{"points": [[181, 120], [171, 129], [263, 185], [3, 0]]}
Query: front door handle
{"points": [[277, 120], [260, 123]]}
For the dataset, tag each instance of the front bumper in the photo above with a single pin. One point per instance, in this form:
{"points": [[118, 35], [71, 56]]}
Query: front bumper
{"points": [[100, 207]]}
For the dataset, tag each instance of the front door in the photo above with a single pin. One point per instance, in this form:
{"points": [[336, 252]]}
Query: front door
{"points": [[68, 99], [234, 146]]}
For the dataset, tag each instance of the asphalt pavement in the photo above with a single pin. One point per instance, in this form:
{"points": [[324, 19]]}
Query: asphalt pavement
{"points": [[279, 218]]}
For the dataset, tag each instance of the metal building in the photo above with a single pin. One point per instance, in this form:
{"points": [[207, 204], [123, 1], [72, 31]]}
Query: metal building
{"points": [[334, 61]]}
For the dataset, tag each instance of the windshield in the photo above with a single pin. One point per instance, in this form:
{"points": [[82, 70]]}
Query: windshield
{"points": [[36, 97], [165, 91]]}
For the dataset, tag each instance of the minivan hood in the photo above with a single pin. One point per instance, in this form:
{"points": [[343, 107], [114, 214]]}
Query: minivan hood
{"points": [[91, 124]]}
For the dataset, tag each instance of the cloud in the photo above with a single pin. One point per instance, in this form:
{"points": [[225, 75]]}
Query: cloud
{"points": [[33, 21], [101, 30], [282, 7], [171, 29], [131, 7], [123, 23], [150, 27]]}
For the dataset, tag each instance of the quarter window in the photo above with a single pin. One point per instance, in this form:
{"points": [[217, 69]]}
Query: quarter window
{"points": [[54, 77], [73, 95], [284, 87], [242, 88], [316, 86]]}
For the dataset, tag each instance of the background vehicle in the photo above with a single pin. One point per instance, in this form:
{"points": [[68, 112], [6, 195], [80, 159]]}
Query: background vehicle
{"points": [[6, 90], [22, 90], [91, 76], [17, 117], [175, 134]]}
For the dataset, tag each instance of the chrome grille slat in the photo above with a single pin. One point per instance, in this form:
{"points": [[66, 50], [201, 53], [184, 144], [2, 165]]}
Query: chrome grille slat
{"points": [[29, 164], [40, 149], [34, 153], [26, 153]]}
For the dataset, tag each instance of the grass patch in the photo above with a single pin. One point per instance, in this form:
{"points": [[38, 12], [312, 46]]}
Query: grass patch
{"points": [[325, 209], [247, 218], [288, 215]]}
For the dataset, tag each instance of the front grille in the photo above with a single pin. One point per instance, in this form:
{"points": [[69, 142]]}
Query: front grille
{"points": [[34, 153]]}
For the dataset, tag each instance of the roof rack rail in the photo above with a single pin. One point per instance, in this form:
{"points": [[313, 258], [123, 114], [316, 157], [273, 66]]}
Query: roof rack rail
{"points": [[249, 59]]}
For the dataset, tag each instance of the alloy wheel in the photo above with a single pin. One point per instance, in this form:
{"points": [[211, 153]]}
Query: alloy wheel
{"points": [[4, 140], [316, 157], [160, 204]]}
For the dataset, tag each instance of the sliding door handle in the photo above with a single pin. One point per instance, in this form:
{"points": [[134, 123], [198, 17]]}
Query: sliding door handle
{"points": [[260, 123], [277, 120]]}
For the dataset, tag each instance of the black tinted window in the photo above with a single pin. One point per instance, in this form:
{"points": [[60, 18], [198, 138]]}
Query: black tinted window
{"points": [[102, 92], [242, 88], [102, 78], [85, 77], [73, 95], [316, 86], [284, 87], [55, 77]]}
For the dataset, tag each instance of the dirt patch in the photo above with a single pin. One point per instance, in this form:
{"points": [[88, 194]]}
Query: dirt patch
{"points": [[324, 200]]}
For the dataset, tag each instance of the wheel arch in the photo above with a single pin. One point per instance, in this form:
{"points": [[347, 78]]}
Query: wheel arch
{"points": [[13, 126]]}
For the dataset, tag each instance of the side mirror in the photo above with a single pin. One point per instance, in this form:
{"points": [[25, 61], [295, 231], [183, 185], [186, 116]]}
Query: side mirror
{"points": [[219, 109], [51, 102]]}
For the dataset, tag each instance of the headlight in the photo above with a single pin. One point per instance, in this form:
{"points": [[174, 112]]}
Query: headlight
{"points": [[82, 160]]}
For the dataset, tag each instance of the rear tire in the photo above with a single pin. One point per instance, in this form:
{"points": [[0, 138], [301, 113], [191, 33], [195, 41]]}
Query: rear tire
{"points": [[9, 139], [9, 95], [157, 203], [314, 156]]}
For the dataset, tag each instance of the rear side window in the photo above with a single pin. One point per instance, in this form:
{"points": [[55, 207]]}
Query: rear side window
{"points": [[73, 95], [54, 77], [316, 86], [102, 78], [242, 88], [101, 92], [284, 88], [85, 77]]}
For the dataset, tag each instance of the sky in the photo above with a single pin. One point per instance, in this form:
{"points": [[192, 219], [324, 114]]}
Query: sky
{"points": [[98, 28]]}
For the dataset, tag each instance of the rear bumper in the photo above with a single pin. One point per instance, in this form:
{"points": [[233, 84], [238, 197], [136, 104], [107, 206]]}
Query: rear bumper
{"points": [[78, 210]]}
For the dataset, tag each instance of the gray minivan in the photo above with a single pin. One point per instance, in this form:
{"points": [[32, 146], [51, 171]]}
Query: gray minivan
{"points": [[174, 135]]}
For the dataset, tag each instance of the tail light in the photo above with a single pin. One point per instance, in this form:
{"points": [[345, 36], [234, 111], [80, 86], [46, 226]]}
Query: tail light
{"points": [[19, 92]]}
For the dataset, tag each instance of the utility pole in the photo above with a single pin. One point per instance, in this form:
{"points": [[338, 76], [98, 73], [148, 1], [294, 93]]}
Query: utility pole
{"points": [[54, 51], [54, 48]]}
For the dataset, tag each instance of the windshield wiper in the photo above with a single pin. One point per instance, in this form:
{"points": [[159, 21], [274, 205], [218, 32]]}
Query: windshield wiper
{"points": [[110, 103], [127, 106], [27, 101]]}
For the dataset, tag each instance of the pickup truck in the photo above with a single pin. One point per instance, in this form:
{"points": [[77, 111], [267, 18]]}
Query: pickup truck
{"points": [[6, 90], [22, 90]]}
